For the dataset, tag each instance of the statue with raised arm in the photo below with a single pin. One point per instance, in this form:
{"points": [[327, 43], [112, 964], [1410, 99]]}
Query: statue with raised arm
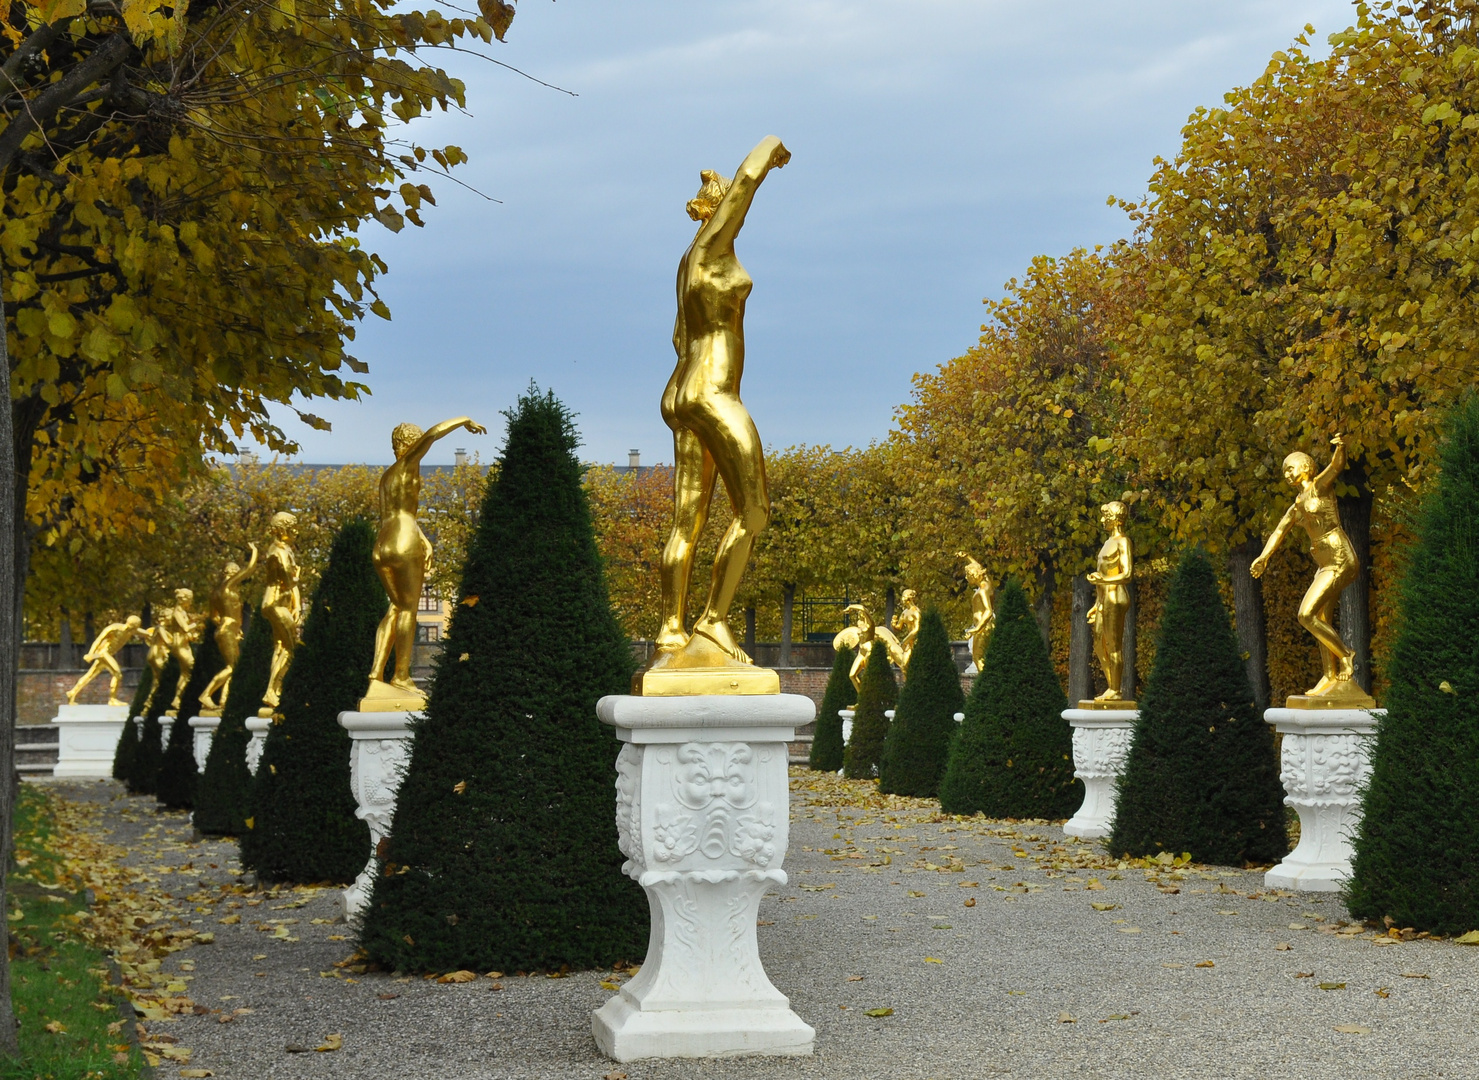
{"points": [[713, 437], [101, 655], [983, 608], [159, 642], [183, 629], [906, 626], [1315, 510], [1115, 568], [402, 557], [862, 637], [224, 610], [282, 604]]}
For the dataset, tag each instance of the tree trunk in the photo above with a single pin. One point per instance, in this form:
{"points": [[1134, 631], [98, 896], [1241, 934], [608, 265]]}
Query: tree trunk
{"points": [[1355, 600], [788, 604], [1043, 609], [1080, 644], [12, 562], [1127, 672], [750, 631], [1248, 612], [888, 606]]}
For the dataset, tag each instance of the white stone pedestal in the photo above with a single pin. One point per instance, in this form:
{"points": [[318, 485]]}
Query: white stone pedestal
{"points": [[380, 748], [1325, 759], [847, 715], [257, 727], [703, 815], [1101, 742], [88, 738], [202, 730], [166, 723]]}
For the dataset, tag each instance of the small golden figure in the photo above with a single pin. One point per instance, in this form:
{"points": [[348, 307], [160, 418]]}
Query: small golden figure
{"points": [[713, 436], [159, 646], [183, 629], [225, 611], [114, 637], [1116, 566], [861, 637], [983, 608], [906, 627], [1316, 510], [402, 558], [282, 605]]}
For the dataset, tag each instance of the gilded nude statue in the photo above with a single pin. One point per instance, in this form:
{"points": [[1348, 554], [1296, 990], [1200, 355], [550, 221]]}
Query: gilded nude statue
{"points": [[906, 626], [862, 637], [183, 629], [402, 557], [1315, 509], [713, 437], [983, 608], [1115, 568], [101, 655], [282, 604], [159, 643], [224, 609]]}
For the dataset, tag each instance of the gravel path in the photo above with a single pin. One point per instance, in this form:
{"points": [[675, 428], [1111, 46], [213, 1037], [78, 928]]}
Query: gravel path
{"points": [[1065, 965]]}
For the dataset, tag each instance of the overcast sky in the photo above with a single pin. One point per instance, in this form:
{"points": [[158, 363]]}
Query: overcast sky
{"points": [[937, 146]]}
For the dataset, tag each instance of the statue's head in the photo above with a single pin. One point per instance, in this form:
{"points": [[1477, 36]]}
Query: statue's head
{"points": [[1298, 468], [281, 523], [133, 622], [183, 598], [702, 206], [403, 438], [230, 570], [909, 597], [975, 573], [1112, 514]]}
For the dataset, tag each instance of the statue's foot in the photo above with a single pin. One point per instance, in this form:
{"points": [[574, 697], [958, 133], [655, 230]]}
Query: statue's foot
{"points": [[1347, 670], [1109, 695], [405, 684], [113, 702], [670, 638], [717, 631]]}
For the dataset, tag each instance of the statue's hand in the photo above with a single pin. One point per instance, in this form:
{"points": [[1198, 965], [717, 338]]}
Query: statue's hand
{"points": [[1094, 577], [1259, 565], [779, 156], [476, 429]]}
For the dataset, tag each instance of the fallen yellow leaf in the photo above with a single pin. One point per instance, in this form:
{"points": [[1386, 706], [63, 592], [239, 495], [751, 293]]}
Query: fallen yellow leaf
{"points": [[932, 960], [460, 786], [1104, 907], [229, 920], [196, 1074], [1204, 963], [470, 601], [457, 977], [56, 1027], [1353, 1029], [1067, 1018], [878, 1012], [1471, 938], [331, 1042]]}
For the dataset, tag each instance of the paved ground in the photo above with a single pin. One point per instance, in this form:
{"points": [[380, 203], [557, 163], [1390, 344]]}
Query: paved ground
{"points": [[1066, 965]]}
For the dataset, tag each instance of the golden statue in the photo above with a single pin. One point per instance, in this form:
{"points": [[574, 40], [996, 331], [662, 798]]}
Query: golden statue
{"points": [[713, 436], [983, 608], [157, 655], [225, 611], [861, 637], [402, 558], [182, 628], [282, 605], [906, 627], [1115, 567], [1316, 510], [114, 637]]}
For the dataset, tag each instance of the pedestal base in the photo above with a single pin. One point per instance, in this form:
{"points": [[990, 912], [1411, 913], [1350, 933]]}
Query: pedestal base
{"points": [[702, 816], [1324, 762], [257, 727], [88, 739], [202, 730], [1101, 742], [384, 698], [379, 750], [702, 669]]}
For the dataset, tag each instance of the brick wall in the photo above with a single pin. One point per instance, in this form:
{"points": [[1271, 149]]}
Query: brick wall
{"points": [[38, 693]]}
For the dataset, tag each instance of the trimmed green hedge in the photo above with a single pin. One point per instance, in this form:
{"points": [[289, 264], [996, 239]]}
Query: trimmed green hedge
{"points": [[143, 779], [127, 750], [177, 771], [918, 746], [878, 693], [223, 795], [826, 745]]}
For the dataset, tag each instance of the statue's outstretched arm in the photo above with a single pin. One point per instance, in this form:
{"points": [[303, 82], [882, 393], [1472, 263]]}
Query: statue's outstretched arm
{"points": [[1326, 480], [1273, 542], [724, 226], [441, 431], [246, 571]]}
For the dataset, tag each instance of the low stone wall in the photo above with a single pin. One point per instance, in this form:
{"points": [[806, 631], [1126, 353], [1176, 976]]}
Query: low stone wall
{"points": [[39, 692]]}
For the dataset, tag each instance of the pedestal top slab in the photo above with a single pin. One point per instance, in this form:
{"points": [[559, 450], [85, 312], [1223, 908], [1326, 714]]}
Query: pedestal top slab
{"points": [[210, 723], [1323, 721], [66, 714], [377, 725], [767, 717], [1100, 717]]}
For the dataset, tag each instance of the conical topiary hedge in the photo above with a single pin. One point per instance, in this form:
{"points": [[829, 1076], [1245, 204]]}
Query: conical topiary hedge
{"points": [[302, 826], [177, 771], [826, 744], [223, 795], [127, 751], [918, 745], [1201, 776], [1013, 756], [503, 853], [144, 777], [876, 695], [1417, 848]]}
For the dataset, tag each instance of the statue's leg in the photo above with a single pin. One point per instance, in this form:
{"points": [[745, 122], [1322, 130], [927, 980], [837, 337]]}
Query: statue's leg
{"points": [[284, 637], [1315, 611], [730, 436], [693, 488], [1111, 647], [88, 676], [115, 676]]}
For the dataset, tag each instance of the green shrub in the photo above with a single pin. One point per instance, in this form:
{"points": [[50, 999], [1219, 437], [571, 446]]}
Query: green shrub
{"points": [[826, 745], [504, 850], [1013, 756], [177, 771], [303, 824], [876, 695], [223, 795], [918, 745], [127, 750], [1201, 776], [144, 778], [1417, 847]]}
